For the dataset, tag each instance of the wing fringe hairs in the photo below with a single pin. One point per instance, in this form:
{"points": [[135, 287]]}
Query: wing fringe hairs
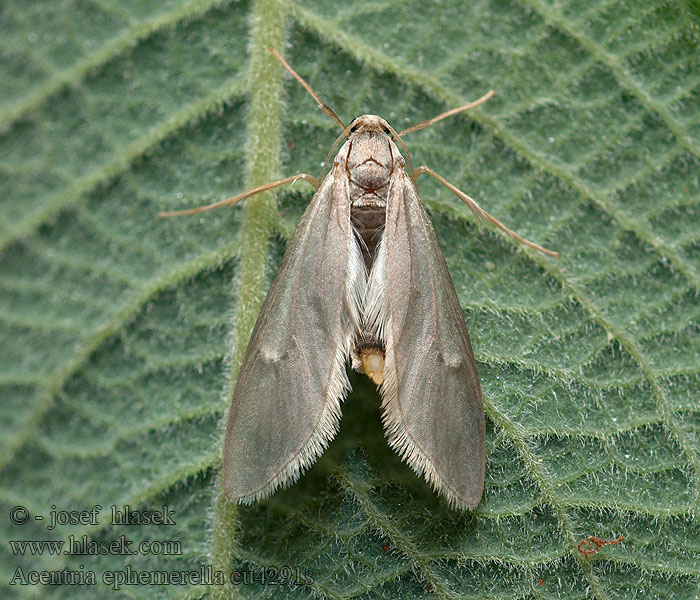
{"points": [[324, 431], [402, 442], [398, 437]]}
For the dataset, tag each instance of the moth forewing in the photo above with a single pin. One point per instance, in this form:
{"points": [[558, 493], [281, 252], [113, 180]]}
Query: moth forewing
{"points": [[433, 408], [286, 402]]}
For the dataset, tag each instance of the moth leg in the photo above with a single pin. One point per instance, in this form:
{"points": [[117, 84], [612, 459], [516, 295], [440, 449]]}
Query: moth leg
{"points": [[240, 197], [477, 210]]}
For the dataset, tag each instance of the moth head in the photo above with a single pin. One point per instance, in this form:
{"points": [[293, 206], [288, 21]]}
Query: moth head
{"points": [[370, 123], [372, 130]]}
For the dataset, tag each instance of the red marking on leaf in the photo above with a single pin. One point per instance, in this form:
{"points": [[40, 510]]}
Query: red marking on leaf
{"points": [[592, 544]]}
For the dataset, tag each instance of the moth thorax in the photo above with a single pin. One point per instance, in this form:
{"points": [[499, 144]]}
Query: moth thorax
{"points": [[370, 160]]}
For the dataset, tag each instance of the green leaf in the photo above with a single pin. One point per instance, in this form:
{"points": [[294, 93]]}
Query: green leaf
{"points": [[120, 332]]}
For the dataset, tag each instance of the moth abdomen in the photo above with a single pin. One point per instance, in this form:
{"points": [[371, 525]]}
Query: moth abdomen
{"points": [[368, 221], [368, 357]]}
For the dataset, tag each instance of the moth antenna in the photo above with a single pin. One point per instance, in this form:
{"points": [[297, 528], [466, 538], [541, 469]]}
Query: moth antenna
{"points": [[449, 113], [324, 107], [339, 139], [477, 210], [247, 194]]}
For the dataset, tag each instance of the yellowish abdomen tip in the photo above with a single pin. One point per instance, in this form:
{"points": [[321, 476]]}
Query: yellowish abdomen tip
{"points": [[373, 365]]}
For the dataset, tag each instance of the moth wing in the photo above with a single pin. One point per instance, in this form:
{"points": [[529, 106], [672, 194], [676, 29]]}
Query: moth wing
{"points": [[286, 403], [433, 408]]}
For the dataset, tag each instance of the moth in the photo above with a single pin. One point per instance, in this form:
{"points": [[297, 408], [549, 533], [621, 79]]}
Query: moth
{"points": [[363, 279]]}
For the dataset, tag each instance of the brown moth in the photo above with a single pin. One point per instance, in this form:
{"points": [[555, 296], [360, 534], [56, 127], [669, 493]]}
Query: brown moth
{"points": [[363, 278]]}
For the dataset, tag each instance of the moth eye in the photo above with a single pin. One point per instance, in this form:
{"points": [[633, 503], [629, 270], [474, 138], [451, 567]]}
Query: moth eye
{"points": [[386, 130], [354, 128]]}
